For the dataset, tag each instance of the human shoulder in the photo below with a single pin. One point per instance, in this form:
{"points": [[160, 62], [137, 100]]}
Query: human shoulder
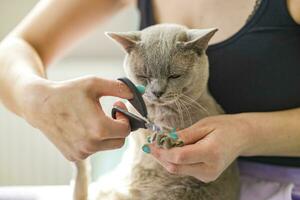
{"points": [[294, 9]]}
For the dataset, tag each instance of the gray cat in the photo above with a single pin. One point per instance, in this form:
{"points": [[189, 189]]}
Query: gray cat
{"points": [[170, 61]]}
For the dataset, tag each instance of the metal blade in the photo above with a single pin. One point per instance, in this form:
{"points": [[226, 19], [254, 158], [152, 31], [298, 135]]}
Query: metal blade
{"points": [[153, 127]]}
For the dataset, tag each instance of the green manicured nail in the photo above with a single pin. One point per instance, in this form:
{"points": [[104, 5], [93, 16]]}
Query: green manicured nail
{"points": [[173, 135], [180, 144], [146, 148], [140, 88], [149, 139], [173, 130]]}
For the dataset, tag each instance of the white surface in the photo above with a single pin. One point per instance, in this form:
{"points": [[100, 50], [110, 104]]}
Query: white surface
{"points": [[36, 193]]}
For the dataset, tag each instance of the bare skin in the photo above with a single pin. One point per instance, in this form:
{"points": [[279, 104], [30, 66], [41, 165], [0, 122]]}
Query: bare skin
{"points": [[228, 16], [78, 131]]}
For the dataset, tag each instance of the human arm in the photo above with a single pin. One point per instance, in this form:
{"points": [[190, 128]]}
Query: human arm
{"points": [[44, 35], [67, 112], [294, 8], [214, 142]]}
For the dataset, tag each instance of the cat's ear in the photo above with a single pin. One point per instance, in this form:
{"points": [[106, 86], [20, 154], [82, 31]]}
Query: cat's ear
{"points": [[128, 40], [198, 39]]}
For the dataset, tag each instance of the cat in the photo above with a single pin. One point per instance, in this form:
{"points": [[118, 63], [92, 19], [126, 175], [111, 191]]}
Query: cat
{"points": [[170, 61]]}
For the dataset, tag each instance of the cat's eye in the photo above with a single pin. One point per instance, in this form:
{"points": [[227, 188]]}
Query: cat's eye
{"points": [[141, 77], [174, 76]]}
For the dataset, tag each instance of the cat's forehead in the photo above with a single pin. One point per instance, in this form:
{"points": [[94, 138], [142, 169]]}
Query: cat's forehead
{"points": [[163, 36], [158, 44]]}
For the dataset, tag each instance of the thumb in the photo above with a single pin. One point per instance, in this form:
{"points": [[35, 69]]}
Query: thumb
{"points": [[106, 87], [194, 133]]}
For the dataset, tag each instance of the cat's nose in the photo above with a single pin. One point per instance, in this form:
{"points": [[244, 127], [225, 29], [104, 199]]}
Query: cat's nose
{"points": [[158, 93]]}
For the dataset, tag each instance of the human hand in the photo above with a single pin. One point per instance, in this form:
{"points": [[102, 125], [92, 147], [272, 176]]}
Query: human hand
{"points": [[211, 145], [70, 115]]}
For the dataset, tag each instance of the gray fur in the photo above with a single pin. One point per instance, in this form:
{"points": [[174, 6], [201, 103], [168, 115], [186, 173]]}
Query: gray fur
{"points": [[170, 61]]}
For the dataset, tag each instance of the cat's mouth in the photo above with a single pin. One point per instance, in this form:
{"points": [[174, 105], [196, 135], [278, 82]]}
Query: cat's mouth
{"points": [[161, 101]]}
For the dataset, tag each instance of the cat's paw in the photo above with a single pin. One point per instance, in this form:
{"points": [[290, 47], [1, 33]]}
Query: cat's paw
{"points": [[165, 140]]}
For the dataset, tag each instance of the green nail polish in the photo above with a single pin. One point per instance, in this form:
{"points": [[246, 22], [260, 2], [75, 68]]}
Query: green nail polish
{"points": [[146, 148], [149, 139], [180, 144], [141, 89], [159, 140], [173, 130], [173, 135]]}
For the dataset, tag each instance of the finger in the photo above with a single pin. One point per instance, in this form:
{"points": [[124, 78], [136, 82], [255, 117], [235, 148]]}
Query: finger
{"points": [[198, 170], [188, 154], [106, 87], [115, 128], [194, 133], [119, 115], [119, 127], [201, 171], [106, 127], [106, 145], [85, 150]]}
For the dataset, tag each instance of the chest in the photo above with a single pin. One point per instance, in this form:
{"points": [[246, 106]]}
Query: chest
{"points": [[227, 16]]}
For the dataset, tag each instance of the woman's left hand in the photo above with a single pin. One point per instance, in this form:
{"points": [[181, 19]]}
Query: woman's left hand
{"points": [[211, 145]]}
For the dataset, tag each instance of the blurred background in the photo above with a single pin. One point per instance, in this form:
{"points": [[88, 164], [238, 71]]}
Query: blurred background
{"points": [[26, 156]]}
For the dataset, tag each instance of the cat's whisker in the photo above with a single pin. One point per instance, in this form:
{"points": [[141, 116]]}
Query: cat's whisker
{"points": [[189, 114], [194, 102], [187, 111], [179, 109], [187, 100]]}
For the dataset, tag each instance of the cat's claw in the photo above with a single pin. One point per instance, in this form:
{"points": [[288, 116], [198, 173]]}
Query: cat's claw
{"points": [[165, 140]]}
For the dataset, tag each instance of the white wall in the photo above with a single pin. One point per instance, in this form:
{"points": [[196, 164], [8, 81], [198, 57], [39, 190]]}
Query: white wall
{"points": [[12, 11], [26, 156]]}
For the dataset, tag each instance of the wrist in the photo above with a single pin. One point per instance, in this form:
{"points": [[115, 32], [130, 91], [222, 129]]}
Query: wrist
{"points": [[29, 92], [20, 66], [248, 129]]}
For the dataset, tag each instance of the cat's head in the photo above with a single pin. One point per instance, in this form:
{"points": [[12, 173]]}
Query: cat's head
{"points": [[169, 60]]}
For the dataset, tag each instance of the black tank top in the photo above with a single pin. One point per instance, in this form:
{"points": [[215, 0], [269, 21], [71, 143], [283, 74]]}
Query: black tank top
{"points": [[258, 68]]}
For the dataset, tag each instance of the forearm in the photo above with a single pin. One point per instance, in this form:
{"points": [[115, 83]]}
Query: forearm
{"points": [[49, 30], [19, 63], [273, 133], [53, 27]]}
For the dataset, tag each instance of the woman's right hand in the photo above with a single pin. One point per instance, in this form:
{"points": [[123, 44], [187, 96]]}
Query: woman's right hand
{"points": [[67, 112], [70, 115]]}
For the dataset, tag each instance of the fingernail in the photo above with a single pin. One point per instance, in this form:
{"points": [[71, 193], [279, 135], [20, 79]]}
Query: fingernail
{"points": [[146, 148], [159, 140], [180, 143], [140, 88], [173, 130], [149, 139], [173, 135]]}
